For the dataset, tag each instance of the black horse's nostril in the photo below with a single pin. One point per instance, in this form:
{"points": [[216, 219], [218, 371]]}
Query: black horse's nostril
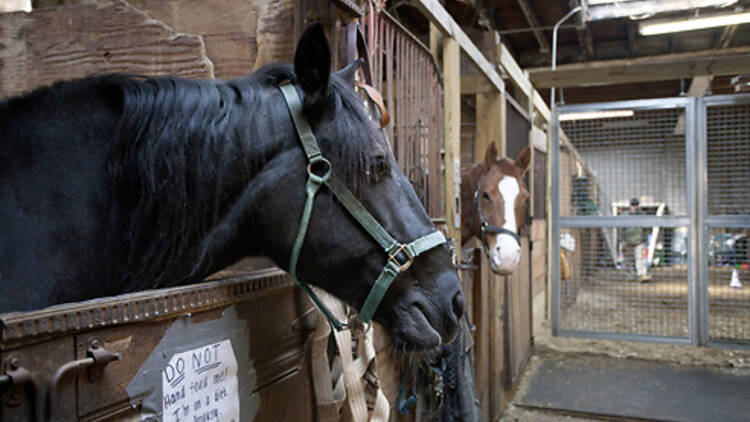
{"points": [[458, 304]]}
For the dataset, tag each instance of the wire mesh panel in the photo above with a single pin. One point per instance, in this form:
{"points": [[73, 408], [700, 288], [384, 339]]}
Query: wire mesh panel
{"points": [[729, 284], [620, 158], [599, 294], [623, 220], [728, 159], [727, 148]]}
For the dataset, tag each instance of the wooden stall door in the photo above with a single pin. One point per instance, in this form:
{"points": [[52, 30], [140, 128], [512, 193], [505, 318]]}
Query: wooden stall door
{"points": [[518, 312]]}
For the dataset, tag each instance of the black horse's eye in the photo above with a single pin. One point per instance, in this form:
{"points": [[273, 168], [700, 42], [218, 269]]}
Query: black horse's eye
{"points": [[378, 168], [486, 196]]}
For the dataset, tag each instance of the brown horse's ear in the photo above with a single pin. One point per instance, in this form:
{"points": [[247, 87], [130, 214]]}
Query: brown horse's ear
{"points": [[524, 160], [490, 156]]}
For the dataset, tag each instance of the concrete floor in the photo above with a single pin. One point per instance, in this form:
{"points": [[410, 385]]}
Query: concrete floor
{"points": [[546, 346]]}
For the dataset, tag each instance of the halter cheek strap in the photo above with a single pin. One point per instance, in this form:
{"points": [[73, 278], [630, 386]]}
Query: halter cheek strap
{"points": [[400, 255], [487, 227]]}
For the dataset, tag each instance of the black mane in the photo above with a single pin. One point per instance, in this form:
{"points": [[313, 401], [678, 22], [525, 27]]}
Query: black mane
{"points": [[203, 136]]}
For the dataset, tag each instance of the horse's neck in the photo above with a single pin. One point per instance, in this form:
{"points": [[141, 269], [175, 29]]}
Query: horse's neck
{"points": [[469, 185], [204, 216]]}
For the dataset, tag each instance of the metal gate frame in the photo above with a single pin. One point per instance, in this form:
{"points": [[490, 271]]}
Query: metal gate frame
{"points": [[690, 219], [697, 219], [706, 220]]}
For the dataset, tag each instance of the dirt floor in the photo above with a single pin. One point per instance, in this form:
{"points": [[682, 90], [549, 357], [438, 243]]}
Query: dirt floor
{"points": [[612, 300], [724, 360]]}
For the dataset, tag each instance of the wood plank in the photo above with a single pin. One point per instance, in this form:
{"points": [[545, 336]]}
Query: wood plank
{"points": [[482, 334], [533, 20], [518, 322], [444, 21], [521, 78], [475, 84], [654, 68], [514, 71], [48, 45], [497, 339], [240, 35], [490, 123], [452, 122]]}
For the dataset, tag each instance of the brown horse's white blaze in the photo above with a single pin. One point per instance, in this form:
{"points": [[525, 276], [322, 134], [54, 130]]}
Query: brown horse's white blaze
{"points": [[506, 252], [496, 190]]}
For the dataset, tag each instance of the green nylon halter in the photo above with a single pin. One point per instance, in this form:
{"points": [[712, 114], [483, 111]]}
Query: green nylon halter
{"points": [[396, 251]]}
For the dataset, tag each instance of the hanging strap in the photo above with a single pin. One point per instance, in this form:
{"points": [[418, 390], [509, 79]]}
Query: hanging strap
{"points": [[400, 256]]}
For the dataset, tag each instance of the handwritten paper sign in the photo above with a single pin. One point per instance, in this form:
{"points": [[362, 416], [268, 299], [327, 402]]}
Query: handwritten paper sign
{"points": [[200, 385]]}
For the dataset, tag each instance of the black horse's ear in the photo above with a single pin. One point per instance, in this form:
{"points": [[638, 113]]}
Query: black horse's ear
{"points": [[348, 73], [524, 160], [312, 64], [490, 156]]}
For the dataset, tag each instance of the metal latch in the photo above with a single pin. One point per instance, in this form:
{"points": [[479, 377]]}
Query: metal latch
{"points": [[14, 381], [97, 358]]}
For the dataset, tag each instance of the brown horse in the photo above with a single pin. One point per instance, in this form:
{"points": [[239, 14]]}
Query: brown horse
{"points": [[495, 199]]}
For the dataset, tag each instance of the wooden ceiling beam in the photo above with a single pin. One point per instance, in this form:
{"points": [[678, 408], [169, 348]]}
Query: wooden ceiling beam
{"points": [[435, 12], [654, 68], [726, 37], [533, 20]]}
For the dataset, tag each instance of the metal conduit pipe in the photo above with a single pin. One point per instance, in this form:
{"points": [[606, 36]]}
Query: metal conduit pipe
{"points": [[553, 155], [554, 47]]}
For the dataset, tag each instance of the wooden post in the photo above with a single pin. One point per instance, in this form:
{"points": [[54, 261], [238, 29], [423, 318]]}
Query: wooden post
{"points": [[452, 124], [489, 110], [491, 127], [482, 347]]}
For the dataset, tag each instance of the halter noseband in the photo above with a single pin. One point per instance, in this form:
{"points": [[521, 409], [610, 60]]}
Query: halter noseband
{"points": [[486, 226], [400, 255]]}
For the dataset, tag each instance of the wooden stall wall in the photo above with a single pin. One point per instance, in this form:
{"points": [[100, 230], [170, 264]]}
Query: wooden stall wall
{"points": [[198, 39], [62, 40]]}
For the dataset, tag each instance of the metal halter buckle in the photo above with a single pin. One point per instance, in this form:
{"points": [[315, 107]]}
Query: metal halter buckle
{"points": [[394, 258]]}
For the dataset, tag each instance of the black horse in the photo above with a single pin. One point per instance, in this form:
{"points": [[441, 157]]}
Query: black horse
{"points": [[117, 183]]}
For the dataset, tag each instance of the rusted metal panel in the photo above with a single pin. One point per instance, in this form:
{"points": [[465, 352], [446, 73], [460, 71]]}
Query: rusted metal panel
{"points": [[405, 69], [133, 326], [20, 328], [41, 359]]}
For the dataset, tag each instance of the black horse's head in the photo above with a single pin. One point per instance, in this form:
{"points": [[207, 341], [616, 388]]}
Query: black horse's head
{"points": [[423, 305]]}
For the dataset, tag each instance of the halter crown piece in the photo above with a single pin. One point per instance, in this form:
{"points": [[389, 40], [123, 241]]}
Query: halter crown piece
{"points": [[400, 255]]}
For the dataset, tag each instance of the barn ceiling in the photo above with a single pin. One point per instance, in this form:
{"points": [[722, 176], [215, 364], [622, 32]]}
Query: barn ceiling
{"points": [[525, 27]]}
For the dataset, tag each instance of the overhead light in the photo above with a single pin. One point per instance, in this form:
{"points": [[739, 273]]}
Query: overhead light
{"points": [[589, 115], [692, 24]]}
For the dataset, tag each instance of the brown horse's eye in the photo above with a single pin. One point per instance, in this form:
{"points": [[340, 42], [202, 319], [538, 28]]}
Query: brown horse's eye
{"points": [[486, 196]]}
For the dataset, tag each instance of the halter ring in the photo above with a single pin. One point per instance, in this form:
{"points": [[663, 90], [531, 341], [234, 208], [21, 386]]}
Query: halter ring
{"points": [[316, 160]]}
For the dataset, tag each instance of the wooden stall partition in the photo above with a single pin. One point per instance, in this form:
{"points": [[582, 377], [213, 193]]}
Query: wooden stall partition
{"points": [[239, 35], [136, 326], [58, 43], [452, 125], [518, 317], [482, 341]]}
